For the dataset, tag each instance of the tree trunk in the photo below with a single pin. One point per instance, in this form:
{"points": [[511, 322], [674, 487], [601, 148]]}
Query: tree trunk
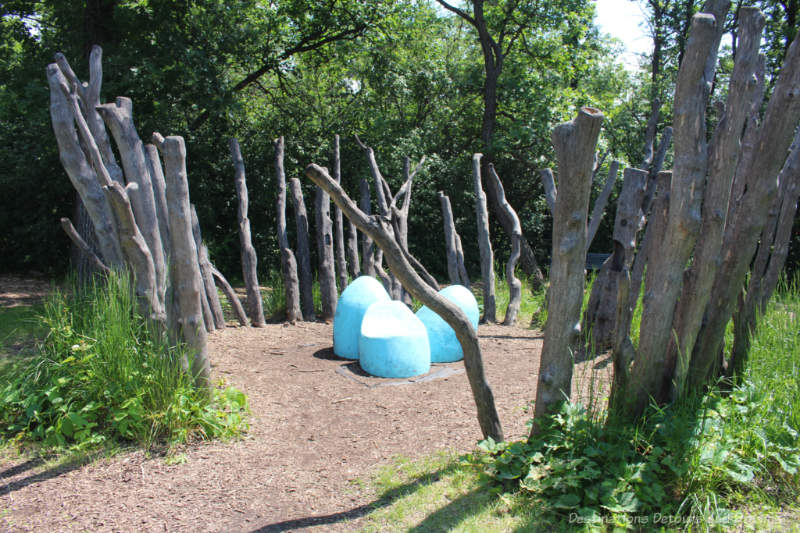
{"points": [[249, 259], [484, 244], [574, 143], [549, 184], [455, 318], [233, 299], [600, 206], [666, 268], [514, 284], [354, 262], [288, 262], [303, 251], [462, 268], [722, 158], [601, 312], [160, 196], [450, 240], [327, 276], [185, 271], [72, 233], [338, 222], [211, 295]]}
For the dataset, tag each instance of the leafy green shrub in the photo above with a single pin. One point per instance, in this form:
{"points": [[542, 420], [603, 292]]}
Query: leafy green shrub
{"points": [[104, 373], [689, 463]]}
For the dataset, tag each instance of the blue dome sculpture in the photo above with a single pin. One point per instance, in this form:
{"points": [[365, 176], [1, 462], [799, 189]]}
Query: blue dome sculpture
{"points": [[393, 342], [353, 303], [445, 347]]}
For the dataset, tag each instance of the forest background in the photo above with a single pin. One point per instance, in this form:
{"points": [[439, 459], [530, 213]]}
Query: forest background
{"points": [[408, 77]]}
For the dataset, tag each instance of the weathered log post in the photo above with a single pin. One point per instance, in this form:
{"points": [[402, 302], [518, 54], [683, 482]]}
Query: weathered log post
{"points": [[119, 118], [484, 244], [184, 268], [249, 259], [72, 233], [367, 247], [574, 143], [159, 194], [288, 261], [327, 276], [601, 312], [550, 191], [80, 171], [353, 259], [303, 251], [450, 240], [338, 221], [514, 284], [376, 228], [210, 289]]}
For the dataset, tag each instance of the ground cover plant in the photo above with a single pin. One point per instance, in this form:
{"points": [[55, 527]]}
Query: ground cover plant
{"points": [[103, 374]]}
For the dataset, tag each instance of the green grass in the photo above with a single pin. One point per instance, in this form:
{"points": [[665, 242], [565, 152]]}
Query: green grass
{"points": [[728, 460], [104, 374], [19, 328]]}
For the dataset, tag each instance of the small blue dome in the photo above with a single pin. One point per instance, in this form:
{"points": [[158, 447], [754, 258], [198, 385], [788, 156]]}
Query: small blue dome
{"points": [[445, 347], [393, 342], [350, 309]]}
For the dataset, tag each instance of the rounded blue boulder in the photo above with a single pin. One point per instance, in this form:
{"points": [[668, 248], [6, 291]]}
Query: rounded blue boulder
{"points": [[445, 347], [353, 303], [393, 342]]}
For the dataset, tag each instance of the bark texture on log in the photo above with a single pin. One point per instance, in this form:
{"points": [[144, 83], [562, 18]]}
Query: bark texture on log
{"points": [[72, 233], [338, 222], [203, 260], [467, 336], [184, 269], [78, 169], [514, 284], [574, 143], [255, 306], [303, 251], [119, 118], [484, 244], [462, 268], [688, 176], [450, 240], [353, 259], [600, 205], [760, 165], [327, 276], [723, 154], [601, 312], [291, 283], [233, 299]]}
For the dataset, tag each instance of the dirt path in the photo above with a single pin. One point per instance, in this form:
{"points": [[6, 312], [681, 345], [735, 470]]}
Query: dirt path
{"points": [[316, 426]]}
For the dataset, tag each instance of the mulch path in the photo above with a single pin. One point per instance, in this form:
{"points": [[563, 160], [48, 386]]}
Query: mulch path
{"points": [[317, 426]]}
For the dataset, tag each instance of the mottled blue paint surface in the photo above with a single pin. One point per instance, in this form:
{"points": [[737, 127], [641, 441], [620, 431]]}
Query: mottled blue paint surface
{"points": [[353, 303], [445, 347], [393, 342]]}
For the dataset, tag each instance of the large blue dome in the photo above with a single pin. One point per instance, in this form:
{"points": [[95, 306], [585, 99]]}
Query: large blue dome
{"points": [[353, 303], [445, 347], [393, 342]]}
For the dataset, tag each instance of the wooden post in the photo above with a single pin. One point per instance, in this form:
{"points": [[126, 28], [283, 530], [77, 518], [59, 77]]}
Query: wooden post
{"points": [[288, 261], [514, 284], [367, 248], [233, 299], [450, 239], [574, 143], [600, 205], [484, 243], [338, 222], [303, 251], [249, 259], [327, 276], [210, 290], [185, 270]]}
